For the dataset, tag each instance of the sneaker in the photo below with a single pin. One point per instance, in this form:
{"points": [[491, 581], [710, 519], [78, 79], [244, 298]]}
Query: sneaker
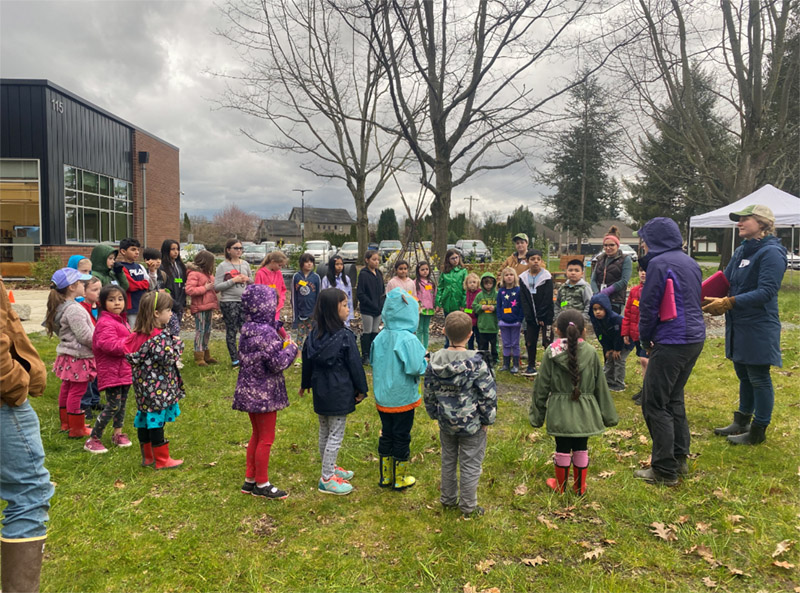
{"points": [[637, 398], [530, 372], [269, 491], [121, 440], [617, 389], [95, 446], [476, 512], [344, 474], [334, 485], [651, 477], [235, 364], [247, 487]]}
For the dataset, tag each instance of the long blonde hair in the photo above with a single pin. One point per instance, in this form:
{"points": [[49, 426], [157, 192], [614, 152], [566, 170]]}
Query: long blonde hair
{"points": [[149, 305]]}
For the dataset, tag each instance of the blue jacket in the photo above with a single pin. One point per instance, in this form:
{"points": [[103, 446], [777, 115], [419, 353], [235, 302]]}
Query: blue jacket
{"points": [[752, 327], [304, 296], [509, 298], [398, 357], [608, 329], [666, 259]]}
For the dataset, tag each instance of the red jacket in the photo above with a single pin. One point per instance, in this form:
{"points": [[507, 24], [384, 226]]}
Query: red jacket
{"points": [[108, 344], [92, 309], [630, 321], [203, 299]]}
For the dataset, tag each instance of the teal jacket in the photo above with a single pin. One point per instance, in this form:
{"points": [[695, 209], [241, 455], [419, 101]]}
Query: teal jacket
{"points": [[398, 357]]}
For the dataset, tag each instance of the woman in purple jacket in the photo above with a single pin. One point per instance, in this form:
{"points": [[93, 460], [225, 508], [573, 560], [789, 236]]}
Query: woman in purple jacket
{"points": [[260, 389]]}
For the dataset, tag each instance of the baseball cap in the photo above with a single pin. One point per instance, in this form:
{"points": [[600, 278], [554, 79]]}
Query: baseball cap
{"points": [[522, 236], [66, 276], [754, 210]]}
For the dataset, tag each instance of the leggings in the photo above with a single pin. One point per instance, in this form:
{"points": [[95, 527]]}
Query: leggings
{"points": [[259, 446], [70, 396], [174, 324], [116, 397], [232, 315], [154, 436], [424, 329], [202, 330], [331, 435], [510, 336], [370, 323]]}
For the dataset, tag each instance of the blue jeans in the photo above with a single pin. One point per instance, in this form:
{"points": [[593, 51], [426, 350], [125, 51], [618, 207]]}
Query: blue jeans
{"points": [[756, 394], [24, 481]]}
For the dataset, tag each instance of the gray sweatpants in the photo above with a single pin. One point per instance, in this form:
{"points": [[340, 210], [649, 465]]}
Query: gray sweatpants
{"points": [[468, 452], [331, 435], [615, 371]]}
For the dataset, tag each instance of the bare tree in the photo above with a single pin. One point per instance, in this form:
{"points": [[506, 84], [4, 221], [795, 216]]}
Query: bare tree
{"points": [[232, 221], [469, 66], [318, 88]]}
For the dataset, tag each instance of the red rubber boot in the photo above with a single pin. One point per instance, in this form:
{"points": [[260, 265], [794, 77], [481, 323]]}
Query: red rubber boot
{"points": [[77, 426], [163, 460]]}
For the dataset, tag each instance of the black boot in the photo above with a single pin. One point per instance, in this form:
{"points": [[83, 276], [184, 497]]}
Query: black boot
{"points": [[753, 437], [506, 361], [740, 425], [365, 349]]}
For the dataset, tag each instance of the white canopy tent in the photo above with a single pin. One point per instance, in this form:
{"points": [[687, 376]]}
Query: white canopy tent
{"points": [[785, 206]]}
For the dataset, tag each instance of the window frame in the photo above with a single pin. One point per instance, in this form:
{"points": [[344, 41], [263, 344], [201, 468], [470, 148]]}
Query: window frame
{"points": [[110, 207]]}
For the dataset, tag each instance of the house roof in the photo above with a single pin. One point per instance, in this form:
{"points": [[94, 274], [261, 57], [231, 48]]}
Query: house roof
{"points": [[279, 227], [323, 215], [601, 230]]}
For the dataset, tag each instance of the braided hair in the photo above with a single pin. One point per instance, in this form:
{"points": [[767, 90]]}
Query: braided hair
{"points": [[570, 326]]}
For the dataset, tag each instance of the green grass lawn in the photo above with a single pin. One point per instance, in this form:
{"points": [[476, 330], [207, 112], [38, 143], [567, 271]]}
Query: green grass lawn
{"points": [[116, 526]]}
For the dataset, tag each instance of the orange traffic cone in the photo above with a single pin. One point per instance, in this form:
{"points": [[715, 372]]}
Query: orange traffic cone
{"points": [[11, 297]]}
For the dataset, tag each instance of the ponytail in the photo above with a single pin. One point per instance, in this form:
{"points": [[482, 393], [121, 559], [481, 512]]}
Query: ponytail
{"points": [[55, 299], [570, 325]]}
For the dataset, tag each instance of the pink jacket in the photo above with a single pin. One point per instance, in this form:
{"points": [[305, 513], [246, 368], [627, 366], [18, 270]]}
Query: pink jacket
{"points": [[108, 344], [275, 280], [202, 299]]}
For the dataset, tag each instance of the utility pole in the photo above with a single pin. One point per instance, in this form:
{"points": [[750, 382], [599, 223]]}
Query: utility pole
{"points": [[302, 213], [471, 199]]}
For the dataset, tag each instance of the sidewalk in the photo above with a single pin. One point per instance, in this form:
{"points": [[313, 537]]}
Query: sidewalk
{"points": [[37, 301]]}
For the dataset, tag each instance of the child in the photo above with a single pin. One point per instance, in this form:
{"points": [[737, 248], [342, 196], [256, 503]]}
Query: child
{"points": [[472, 288], [398, 359], [401, 279], [630, 328], [232, 277], [371, 297], [156, 277], [607, 327], [84, 265], [174, 271], [509, 318], [536, 291], [200, 287], [332, 370], [270, 274], [136, 275], [74, 363], [485, 306], [260, 388], [572, 396], [103, 259], [460, 394], [336, 278], [305, 289], [451, 295], [91, 399], [154, 356], [113, 370], [575, 293], [426, 293]]}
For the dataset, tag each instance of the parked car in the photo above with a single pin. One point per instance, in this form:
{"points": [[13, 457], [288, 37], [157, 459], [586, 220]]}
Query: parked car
{"points": [[290, 248], [254, 254], [372, 247], [626, 249], [189, 250], [792, 261], [349, 251], [321, 250], [474, 250], [387, 247]]}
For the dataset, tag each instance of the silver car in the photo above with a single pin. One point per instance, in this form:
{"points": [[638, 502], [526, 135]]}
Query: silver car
{"points": [[349, 251], [321, 250]]}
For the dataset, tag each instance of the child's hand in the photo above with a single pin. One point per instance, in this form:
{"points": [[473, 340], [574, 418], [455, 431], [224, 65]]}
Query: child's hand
{"points": [[209, 285], [301, 392], [360, 397], [607, 354], [485, 428], [627, 340], [240, 279], [615, 354], [152, 265]]}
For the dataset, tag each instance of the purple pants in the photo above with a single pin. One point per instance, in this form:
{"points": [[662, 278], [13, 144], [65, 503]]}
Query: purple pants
{"points": [[510, 336]]}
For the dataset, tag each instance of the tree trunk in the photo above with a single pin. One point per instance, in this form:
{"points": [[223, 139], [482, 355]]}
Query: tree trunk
{"points": [[440, 211]]}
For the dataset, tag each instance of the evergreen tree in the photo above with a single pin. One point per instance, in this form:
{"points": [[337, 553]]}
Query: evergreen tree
{"points": [[388, 229], [521, 221]]}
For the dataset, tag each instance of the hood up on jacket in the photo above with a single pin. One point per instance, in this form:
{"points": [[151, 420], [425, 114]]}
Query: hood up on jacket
{"points": [[325, 350], [99, 258], [611, 316], [73, 261], [661, 235], [494, 280], [400, 311], [259, 303]]}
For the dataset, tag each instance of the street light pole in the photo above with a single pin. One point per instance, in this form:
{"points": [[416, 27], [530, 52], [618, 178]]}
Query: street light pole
{"points": [[302, 213]]}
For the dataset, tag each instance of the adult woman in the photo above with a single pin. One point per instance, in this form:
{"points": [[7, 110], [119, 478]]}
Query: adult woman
{"points": [[175, 270], [612, 271], [232, 277], [752, 325]]}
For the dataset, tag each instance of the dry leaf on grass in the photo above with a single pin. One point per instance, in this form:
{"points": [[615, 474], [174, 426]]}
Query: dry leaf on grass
{"points": [[544, 521], [533, 561], [784, 564], [485, 566], [521, 490], [702, 527], [468, 588], [533, 437], [734, 519], [782, 547], [609, 542], [644, 463], [491, 590], [683, 519], [119, 484], [136, 503], [606, 474], [709, 582], [593, 554], [662, 531], [594, 505], [212, 464], [736, 572], [706, 554], [643, 439]]}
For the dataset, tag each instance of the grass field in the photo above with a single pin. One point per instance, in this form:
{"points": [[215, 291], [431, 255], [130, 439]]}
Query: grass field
{"points": [[116, 526]]}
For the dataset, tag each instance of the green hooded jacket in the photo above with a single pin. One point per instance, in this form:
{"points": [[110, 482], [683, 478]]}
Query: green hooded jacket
{"points": [[552, 401], [487, 320], [100, 267], [451, 295]]}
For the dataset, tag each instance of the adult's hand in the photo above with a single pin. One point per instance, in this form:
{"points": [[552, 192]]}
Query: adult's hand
{"points": [[718, 306]]}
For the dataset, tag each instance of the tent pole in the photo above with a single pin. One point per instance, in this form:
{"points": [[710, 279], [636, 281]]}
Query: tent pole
{"points": [[690, 240], [791, 255]]}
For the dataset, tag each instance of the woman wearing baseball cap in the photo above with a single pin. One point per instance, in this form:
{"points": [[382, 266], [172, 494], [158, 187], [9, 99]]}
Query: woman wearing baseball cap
{"points": [[752, 325]]}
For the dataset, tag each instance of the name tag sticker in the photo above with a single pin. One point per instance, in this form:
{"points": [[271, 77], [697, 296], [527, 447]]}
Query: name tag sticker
{"points": [[178, 280], [635, 302], [744, 263], [271, 285], [564, 303], [303, 283], [468, 311], [429, 287], [507, 310]]}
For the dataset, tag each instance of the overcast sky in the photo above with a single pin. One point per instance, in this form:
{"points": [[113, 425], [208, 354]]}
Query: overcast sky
{"points": [[149, 63]]}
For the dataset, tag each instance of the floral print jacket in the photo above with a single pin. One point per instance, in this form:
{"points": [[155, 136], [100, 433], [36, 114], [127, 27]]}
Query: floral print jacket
{"points": [[157, 381]]}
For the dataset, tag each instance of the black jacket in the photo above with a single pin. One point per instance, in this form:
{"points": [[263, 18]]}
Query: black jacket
{"points": [[332, 370], [538, 307], [370, 292]]}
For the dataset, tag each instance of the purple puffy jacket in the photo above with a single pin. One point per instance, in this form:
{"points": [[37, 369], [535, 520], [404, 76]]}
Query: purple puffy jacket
{"points": [[108, 344]]}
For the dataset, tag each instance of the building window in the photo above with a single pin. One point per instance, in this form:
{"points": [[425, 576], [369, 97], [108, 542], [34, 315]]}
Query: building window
{"points": [[98, 208], [20, 224]]}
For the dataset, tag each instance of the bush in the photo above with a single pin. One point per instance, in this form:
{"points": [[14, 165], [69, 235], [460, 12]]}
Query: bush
{"points": [[43, 270]]}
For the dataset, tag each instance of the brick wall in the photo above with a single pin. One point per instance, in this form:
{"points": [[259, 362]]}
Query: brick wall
{"points": [[163, 191], [65, 251]]}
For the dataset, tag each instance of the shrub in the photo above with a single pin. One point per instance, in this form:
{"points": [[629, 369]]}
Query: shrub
{"points": [[43, 270]]}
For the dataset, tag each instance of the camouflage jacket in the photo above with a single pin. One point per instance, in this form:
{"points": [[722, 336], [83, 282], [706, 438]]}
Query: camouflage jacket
{"points": [[460, 391]]}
